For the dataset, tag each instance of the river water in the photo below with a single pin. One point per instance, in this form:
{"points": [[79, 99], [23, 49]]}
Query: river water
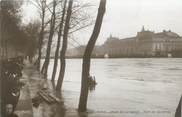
{"points": [[148, 87]]}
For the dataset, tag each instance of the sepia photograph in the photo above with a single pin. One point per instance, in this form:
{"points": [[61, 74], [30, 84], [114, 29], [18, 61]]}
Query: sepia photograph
{"points": [[90, 58]]}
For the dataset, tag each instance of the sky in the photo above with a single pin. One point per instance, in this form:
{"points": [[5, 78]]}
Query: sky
{"points": [[124, 18]]}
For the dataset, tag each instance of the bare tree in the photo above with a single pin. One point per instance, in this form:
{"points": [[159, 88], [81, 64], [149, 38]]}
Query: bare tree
{"points": [[58, 41], [87, 55], [46, 18], [52, 28], [80, 19], [178, 110], [41, 36], [64, 46]]}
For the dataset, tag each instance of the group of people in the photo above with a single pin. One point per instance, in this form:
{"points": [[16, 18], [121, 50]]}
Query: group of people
{"points": [[11, 71]]}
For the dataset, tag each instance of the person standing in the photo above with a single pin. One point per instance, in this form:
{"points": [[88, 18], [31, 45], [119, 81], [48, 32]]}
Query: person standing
{"points": [[9, 111]]}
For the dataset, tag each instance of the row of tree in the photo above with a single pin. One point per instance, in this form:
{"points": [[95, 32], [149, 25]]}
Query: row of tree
{"points": [[66, 17]]}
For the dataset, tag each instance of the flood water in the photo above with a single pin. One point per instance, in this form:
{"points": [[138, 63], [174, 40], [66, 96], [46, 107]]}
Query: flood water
{"points": [[126, 87]]}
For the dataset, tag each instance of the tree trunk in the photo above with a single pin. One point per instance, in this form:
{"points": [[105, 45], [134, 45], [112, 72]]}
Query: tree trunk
{"points": [[41, 37], [87, 55], [52, 27], [178, 110], [64, 47], [58, 42]]}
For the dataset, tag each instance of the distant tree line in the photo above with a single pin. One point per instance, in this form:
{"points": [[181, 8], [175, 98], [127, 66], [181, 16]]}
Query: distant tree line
{"points": [[15, 35]]}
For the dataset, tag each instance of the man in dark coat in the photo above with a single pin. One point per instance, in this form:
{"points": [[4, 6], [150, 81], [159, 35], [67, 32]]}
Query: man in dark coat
{"points": [[9, 111]]}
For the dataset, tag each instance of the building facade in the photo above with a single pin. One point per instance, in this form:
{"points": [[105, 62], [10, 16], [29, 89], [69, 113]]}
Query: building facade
{"points": [[145, 44]]}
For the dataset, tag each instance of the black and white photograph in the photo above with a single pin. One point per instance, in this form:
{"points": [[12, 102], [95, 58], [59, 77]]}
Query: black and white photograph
{"points": [[90, 58]]}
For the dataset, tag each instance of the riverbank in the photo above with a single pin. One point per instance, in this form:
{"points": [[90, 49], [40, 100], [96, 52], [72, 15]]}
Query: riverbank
{"points": [[34, 81]]}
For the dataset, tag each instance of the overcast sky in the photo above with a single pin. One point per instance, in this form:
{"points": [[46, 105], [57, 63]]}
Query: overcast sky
{"points": [[124, 18]]}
